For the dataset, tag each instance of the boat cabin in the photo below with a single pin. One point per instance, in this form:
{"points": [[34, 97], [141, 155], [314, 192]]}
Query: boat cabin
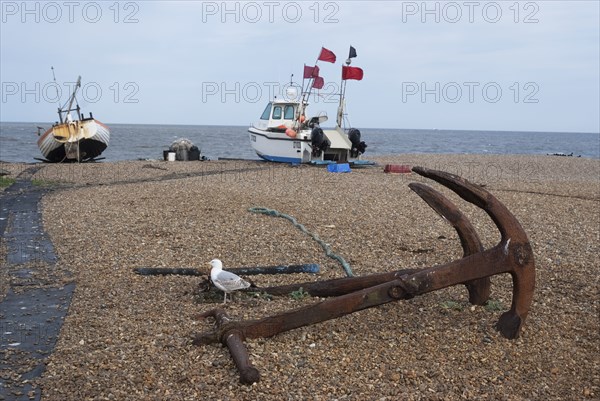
{"points": [[279, 115]]}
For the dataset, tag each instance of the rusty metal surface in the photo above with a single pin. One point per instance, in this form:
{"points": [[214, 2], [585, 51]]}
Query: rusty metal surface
{"points": [[335, 287], [479, 290], [234, 340], [512, 255]]}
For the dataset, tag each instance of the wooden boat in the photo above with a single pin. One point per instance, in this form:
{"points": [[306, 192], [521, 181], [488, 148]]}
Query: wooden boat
{"points": [[69, 140]]}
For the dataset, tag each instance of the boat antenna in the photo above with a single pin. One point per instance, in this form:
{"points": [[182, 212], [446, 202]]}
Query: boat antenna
{"points": [[57, 95], [287, 94], [56, 86]]}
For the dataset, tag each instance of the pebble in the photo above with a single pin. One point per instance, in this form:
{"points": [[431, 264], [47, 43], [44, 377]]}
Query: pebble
{"points": [[141, 217]]}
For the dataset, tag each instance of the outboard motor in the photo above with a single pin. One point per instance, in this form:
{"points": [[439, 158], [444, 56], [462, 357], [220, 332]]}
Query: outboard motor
{"points": [[358, 147], [313, 122], [319, 141]]}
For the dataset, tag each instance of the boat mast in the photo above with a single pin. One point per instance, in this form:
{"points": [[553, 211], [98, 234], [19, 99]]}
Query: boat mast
{"points": [[309, 85], [304, 96], [70, 108], [306, 93], [340, 113], [77, 86]]}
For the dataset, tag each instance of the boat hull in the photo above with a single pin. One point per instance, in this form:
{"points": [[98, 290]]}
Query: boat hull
{"points": [[278, 147], [74, 142]]}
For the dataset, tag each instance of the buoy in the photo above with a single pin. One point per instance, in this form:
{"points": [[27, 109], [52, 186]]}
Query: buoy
{"points": [[290, 132], [302, 118], [397, 168]]}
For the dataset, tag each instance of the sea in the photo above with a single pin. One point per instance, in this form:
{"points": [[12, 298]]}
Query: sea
{"points": [[18, 141]]}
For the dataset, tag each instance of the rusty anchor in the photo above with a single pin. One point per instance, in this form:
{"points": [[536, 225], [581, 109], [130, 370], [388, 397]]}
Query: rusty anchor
{"points": [[512, 255]]}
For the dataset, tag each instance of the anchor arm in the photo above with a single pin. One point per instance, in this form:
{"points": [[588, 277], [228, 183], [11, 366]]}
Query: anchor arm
{"points": [[479, 290], [514, 243]]}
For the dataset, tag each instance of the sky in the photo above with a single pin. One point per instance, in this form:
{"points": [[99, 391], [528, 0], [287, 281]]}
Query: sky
{"points": [[465, 65]]}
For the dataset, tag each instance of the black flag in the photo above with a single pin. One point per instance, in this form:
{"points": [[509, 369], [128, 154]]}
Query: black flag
{"points": [[352, 52]]}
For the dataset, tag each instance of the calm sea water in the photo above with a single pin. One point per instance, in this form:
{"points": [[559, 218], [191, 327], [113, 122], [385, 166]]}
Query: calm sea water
{"points": [[18, 141]]}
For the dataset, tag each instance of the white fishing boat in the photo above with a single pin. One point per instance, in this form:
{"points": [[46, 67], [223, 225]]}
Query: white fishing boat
{"points": [[73, 140], [284, 133]]}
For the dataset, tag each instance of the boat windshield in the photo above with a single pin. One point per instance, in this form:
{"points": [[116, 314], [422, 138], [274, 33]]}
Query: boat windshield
{"points": [[288, 113], [267, 113]]}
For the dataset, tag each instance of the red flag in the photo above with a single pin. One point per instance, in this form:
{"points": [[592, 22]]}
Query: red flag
{"points": [[352, 73], [318, 83], [311, 72], [327, 55]]}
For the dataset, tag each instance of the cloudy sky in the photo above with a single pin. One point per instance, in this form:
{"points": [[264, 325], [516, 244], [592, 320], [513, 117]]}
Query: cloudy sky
{"points": [[476, 65]]}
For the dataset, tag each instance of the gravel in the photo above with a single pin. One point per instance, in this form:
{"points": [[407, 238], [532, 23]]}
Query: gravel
{"points": [[128, 337]]}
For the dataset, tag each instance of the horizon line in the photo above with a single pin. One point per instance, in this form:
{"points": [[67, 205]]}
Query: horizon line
{"points": [[371, 128]]}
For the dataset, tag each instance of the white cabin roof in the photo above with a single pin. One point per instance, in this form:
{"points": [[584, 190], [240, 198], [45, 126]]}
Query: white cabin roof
{"points": [[285, 101]]}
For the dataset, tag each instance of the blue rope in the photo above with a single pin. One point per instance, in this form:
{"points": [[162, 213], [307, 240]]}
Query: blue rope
{"points": [[326, 247]]}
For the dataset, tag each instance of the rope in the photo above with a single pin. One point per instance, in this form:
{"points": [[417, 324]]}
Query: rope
{"points": [[325, 246]]}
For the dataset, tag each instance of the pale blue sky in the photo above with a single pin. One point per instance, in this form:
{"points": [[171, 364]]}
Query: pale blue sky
{"points": [[480, 65]]}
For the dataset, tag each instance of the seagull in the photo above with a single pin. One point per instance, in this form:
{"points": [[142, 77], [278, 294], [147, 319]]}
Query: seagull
{"points": [[224, 280]]}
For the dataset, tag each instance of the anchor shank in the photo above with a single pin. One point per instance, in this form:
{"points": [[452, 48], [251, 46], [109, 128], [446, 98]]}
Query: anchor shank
{"points": [[473, 267], [330, 308], [337, 286], [325, 310]]}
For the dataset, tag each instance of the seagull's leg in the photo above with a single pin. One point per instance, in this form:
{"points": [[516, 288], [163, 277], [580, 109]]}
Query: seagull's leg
{"points": [[224, 297]]}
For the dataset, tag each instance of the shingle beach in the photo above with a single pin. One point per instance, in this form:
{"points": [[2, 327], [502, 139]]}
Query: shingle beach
{"points": [[129, 337]]}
